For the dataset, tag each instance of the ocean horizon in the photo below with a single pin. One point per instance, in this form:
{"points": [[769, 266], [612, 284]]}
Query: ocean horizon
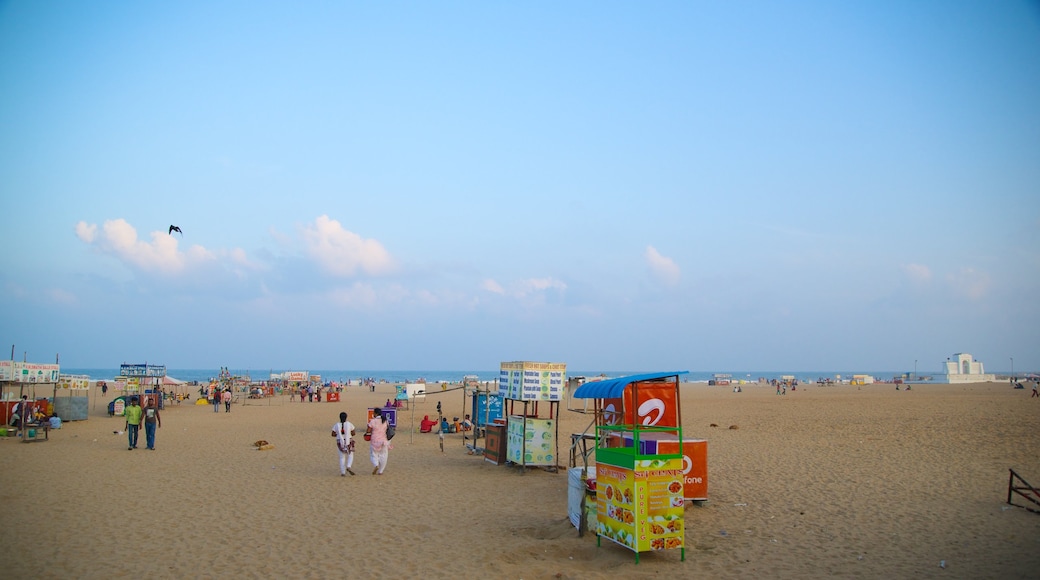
{"points": [[440, 376]]}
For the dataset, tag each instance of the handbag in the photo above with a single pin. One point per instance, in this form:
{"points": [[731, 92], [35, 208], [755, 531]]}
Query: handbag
{"points": [[368, 434], [390, 432]]}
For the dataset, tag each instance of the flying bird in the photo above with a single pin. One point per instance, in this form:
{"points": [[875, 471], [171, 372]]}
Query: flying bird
{"points": [[175, 229]]}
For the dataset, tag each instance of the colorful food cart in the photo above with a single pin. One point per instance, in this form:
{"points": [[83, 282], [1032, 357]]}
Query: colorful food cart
{"points": [[639, 483], [639, 497]]}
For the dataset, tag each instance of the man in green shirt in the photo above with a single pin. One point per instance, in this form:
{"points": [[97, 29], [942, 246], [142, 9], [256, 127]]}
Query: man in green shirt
{"points": [[133, 422]]}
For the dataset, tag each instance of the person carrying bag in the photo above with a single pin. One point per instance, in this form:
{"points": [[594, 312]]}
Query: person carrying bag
{"points": [[344, 434]]}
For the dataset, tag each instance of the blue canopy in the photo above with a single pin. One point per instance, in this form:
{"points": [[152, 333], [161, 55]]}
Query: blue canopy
{"points": [[613, 388]]}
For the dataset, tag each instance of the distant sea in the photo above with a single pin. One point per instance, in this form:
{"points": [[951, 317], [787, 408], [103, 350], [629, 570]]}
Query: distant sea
{"points": [[404, 376]]}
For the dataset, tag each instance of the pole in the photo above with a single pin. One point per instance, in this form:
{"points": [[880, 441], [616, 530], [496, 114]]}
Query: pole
{"points": [[1012, 368], [915, 369]]}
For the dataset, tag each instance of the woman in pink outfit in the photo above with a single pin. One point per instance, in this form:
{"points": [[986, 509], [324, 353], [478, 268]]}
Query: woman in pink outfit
{"points": [[380, 445]]}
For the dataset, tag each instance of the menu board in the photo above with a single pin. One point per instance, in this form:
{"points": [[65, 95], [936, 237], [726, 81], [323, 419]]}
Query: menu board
{"points": [[532, 381], [531, 441], [133, 384], [641, 508], [145, 370], [25, 372], [74, 382]]}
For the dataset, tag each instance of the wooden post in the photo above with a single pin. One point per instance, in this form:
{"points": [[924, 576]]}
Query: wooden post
{"points": [[1011, 482]]}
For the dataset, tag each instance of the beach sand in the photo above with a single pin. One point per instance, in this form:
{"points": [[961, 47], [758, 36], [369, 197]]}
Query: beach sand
{"points": [[845, 481]]}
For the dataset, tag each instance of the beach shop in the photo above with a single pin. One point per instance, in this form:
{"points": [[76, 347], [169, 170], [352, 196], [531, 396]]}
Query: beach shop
{"points": [[641, 462], [135, 378], [528, 388], [26, 375]]}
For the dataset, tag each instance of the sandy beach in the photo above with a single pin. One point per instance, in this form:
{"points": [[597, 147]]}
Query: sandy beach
{"points": [[844, 481]]}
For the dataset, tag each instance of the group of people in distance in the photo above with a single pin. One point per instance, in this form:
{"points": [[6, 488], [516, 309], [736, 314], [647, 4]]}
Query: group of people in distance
{"points": [[427, 424], [377, 430]]}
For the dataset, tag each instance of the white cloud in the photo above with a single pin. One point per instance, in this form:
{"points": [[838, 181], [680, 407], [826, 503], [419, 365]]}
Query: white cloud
{"points": [[61, 296], [536, 292], [119, 238], [356, 295], [428, 298], [970, 283], [663, 268], [917, 273], [238, 256], [86, 232], [343, 253], [529, 289], [492, 286], [161, 255], [279, 237], [537, 285]]}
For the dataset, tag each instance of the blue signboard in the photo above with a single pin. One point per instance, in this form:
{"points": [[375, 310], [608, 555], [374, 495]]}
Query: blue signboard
{"points": [[486, 408], [146, 370]]}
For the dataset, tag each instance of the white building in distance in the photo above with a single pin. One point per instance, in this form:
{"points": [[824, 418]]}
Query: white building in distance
{"points": [[963, 368]]}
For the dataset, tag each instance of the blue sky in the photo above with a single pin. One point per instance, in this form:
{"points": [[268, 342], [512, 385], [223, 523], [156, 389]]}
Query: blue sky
{"points": [[441, 185]]}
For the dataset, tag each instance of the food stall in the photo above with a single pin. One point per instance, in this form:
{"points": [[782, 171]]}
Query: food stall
{"points": [[530, 438], [639, 483], [25, 375], [649, 401], [144, 377], [72, 404]]}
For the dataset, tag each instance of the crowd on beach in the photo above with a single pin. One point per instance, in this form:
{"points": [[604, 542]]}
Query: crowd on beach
{"points": [[144, 413], [379, 431]]}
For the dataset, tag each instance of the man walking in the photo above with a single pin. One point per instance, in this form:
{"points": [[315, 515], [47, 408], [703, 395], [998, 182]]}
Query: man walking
{"points": [[152, 421], [133, 422]]}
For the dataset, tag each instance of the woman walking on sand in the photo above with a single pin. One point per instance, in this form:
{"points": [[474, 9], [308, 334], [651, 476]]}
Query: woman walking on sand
{"points": [[380, 445], [344, 434]]}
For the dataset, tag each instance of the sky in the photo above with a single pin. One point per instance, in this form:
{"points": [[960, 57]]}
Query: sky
{"points": [[661, 186]]}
